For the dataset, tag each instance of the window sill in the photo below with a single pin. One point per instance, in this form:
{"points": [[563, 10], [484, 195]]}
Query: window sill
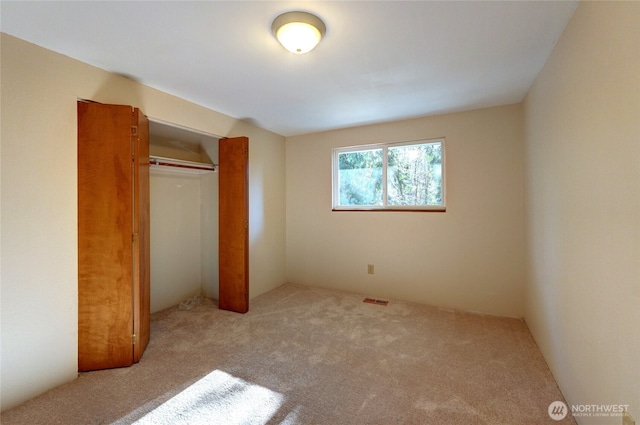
{"points": [[438, 210]]}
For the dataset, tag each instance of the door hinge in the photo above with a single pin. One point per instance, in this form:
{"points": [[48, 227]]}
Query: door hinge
{"points": [[246, 224], [134, 339], [134, 237], [134, 130]]}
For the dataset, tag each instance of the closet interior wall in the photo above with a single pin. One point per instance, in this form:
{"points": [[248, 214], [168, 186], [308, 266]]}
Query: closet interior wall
{"points": [[184, 224]]}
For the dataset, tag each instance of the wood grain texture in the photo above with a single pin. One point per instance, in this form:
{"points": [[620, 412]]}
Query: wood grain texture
{"points": [[234, 224], [141, 247], [105, 319], [113, 205]]}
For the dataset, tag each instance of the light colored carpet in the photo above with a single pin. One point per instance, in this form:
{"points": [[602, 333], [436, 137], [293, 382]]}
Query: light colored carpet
{"points": [[313, 356]]}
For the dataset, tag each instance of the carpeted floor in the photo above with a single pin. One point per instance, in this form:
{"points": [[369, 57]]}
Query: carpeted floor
{"points": [[313, 356]]}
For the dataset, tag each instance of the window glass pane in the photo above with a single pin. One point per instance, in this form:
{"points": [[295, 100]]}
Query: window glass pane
{"points": [[414, 175], [360, 177]]}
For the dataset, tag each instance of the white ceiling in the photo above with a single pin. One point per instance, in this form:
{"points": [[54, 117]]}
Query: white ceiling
{"points": [[379, 61]]}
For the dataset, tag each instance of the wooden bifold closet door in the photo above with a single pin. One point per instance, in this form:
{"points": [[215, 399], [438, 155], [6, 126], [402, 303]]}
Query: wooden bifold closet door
{"points": [[113, 235], [233, 155]]}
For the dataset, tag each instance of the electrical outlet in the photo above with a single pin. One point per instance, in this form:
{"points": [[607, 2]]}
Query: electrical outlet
{"points": [[370, 268], [627, 419]]}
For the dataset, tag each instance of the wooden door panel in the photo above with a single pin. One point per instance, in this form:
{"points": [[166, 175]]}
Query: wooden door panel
{"points": [[233, 224], [105, 319], [142, 264]]}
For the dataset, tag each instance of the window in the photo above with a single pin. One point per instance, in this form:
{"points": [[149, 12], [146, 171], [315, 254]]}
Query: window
{"points": [[392, 176]]}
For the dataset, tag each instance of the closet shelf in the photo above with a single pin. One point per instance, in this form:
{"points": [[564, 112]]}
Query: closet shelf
{"points": [[180, 166]]}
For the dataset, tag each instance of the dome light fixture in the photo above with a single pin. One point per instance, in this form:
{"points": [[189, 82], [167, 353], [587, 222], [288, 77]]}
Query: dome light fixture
{"points": [[298, 32]]}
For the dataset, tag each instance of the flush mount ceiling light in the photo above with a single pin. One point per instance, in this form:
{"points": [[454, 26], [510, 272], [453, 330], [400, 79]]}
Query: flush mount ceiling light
{"points": [[298, 32]]}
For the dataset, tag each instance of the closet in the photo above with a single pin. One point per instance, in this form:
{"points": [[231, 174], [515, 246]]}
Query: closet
{"points": [[143, 216], [113, 235], [199, 218], [184, 214]]}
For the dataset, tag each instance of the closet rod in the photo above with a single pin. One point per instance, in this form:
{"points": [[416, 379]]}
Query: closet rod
{"points": [[178, 164]]}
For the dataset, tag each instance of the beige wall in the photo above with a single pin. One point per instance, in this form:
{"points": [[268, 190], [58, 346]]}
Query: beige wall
{"points": [[39, 212], [177, 234], [582, 120], [468, 258]]}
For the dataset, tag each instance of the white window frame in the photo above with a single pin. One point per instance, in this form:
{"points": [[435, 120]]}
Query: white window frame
{"points": [[335, 184]]}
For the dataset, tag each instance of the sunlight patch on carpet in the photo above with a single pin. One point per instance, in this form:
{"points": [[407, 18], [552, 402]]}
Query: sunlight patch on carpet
{"points": [[217, 398]]}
